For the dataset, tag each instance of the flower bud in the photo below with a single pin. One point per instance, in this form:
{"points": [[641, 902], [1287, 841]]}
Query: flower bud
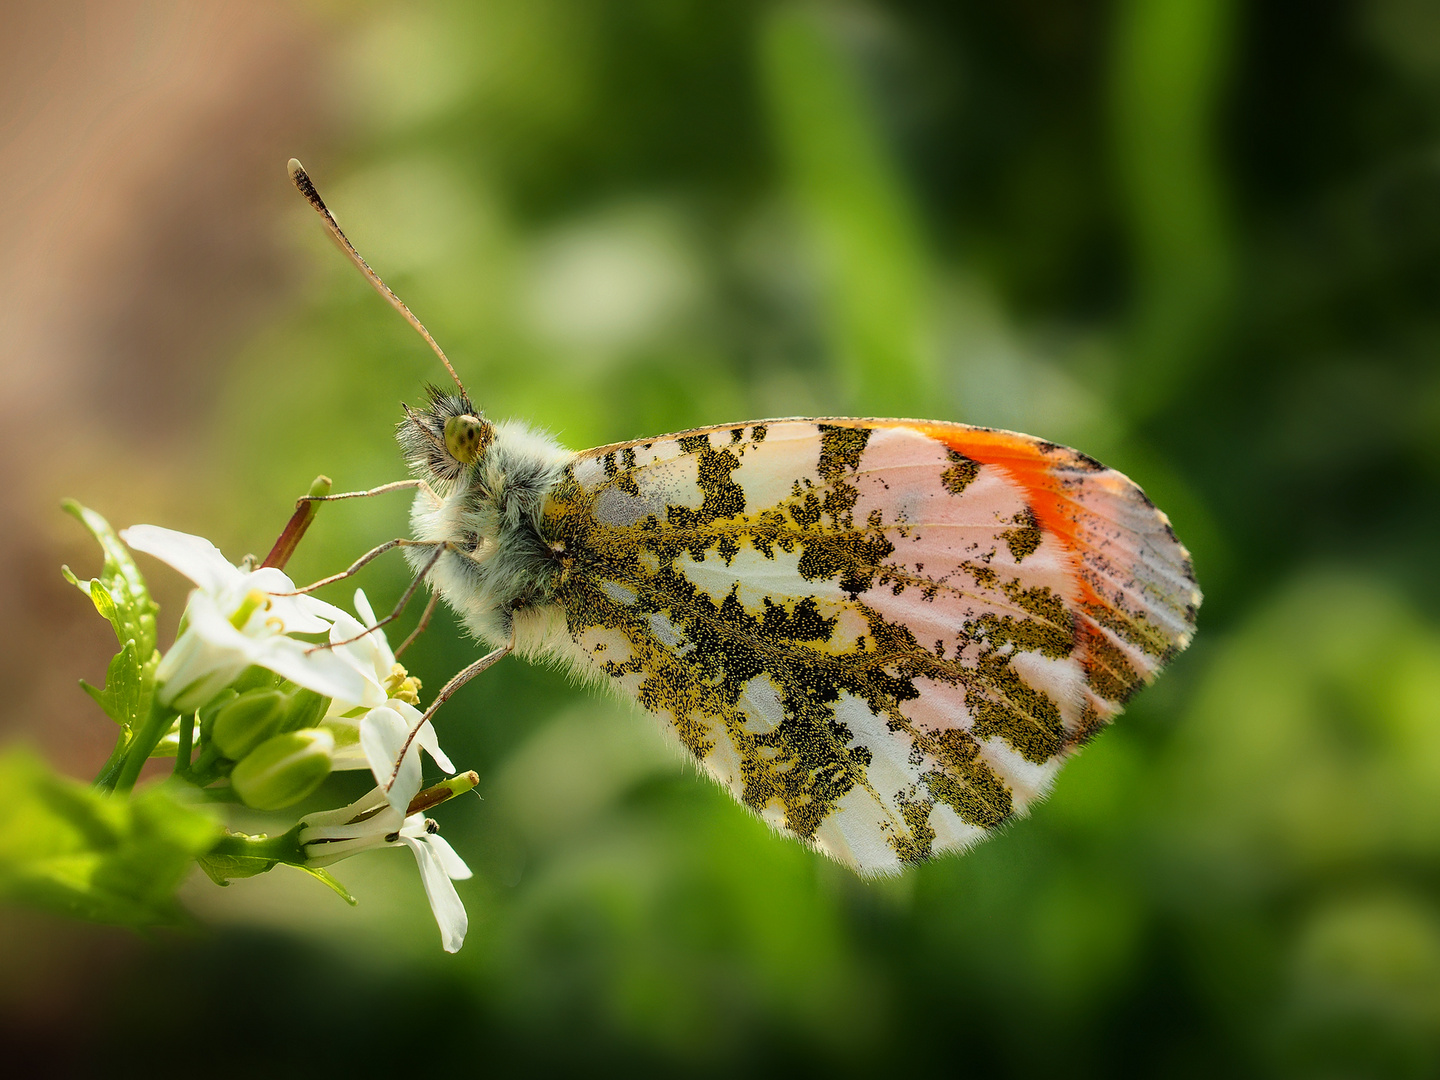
{"points": [[283, 769], [303, 709], [246, 722]]}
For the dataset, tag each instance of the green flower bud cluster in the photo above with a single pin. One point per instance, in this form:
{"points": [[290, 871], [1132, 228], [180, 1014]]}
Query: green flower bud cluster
{"points": [[267, 739]]}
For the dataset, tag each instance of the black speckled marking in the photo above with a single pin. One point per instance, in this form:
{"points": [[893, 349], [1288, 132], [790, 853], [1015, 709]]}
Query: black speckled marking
{"points": [[798, 764], [806, 763], [1026, 537], [960, 474]]}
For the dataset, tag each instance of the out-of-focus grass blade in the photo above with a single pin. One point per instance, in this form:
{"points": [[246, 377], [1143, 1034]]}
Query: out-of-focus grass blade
{"points": [[1169, 68], [874, 269]]}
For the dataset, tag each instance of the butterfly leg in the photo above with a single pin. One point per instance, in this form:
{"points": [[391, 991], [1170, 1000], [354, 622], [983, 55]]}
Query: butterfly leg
{"points": [[399, 607], [397, 485], [421, 626], [369, 557], [463, 676]]}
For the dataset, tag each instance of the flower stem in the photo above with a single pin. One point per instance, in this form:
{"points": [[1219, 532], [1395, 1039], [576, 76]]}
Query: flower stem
{"points": [[182, 751], [284, 848], [204, 772], [295, 528], [105, 781], [146, 738]]}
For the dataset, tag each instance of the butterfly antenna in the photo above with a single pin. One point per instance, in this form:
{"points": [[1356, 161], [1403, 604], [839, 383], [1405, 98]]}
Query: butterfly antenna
{"points": [[307, 188]]}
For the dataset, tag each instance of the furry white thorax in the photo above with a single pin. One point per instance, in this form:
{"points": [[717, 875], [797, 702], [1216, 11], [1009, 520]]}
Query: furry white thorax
{"points": [[500, 577]]}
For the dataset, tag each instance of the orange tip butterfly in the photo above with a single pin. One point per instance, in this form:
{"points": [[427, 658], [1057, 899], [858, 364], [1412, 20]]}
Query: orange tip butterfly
{"points": [[882, 636]]}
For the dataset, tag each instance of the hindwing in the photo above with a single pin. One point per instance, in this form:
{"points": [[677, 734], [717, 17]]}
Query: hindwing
{"points": [[883, 636]]}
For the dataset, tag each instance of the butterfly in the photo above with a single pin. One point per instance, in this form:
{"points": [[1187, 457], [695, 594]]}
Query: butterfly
{"points": [[882, 636]]}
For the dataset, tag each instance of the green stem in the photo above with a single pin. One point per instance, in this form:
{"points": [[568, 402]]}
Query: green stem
{"points": [[284, 848], [151, 731], [105, 781], [182, 751], [204, 772]]}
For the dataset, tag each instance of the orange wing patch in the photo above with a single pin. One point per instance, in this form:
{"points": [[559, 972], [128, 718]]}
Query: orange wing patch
{"points": [[1135, 585]]}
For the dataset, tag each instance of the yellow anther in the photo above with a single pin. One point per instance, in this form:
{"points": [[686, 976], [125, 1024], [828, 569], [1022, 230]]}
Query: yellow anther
{"points": [[402, 686]]}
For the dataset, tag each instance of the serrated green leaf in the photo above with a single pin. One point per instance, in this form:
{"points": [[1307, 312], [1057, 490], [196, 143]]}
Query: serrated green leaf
{"points": [[68, 848], [128, 684], [105, 603], [131, 611], [121, 596]]}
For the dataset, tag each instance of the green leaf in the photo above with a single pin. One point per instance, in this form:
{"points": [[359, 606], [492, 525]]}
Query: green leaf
{"points": [[129, 608], [127, 686], [121, 596], [330, 882], [105, 604], [68, 848], [222, 869]]}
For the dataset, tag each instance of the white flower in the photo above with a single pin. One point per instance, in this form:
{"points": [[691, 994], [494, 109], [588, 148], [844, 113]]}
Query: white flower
{"points": [[370, 655], [372, 822], [439, 866], [383, 732], [370, 728], [234, 620]]}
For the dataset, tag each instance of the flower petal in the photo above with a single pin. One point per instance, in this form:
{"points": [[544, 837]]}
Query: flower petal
{"points": [[319, 609], [363, 657], [206, 658], [450, 862], [444, 900], [386, 658], [431, 743], [426, 736], [299, 614], [194, 556], [345, 814], [383, 732], [363, 608], [321, 670]]}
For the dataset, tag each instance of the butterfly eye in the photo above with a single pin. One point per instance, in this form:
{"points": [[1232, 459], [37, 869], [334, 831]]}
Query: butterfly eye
{"points": [[465, 437]]}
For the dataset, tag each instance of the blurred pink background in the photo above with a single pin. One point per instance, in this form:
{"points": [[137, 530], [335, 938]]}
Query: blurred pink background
{"points": [[142, 152]]}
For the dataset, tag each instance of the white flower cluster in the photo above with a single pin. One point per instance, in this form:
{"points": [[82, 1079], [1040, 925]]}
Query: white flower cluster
{"points": [[236, 619]]}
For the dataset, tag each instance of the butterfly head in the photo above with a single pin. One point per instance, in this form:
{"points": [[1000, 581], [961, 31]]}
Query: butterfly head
{"points": [[444, 439]]}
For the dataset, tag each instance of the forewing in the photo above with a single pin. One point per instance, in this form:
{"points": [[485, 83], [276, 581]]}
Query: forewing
{"points": [[883, 636]]}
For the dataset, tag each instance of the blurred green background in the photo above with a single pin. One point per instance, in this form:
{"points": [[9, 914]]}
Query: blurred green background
{"points": [[1197, 239]]}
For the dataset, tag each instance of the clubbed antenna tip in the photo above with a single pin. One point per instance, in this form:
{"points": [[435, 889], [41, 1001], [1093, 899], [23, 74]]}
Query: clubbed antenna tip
{"points": [[301, 180]]}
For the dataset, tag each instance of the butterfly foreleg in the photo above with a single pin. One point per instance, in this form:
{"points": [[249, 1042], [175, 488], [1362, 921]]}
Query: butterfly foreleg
{"points": [[399, 609], [364, 560], [396, 485]]}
